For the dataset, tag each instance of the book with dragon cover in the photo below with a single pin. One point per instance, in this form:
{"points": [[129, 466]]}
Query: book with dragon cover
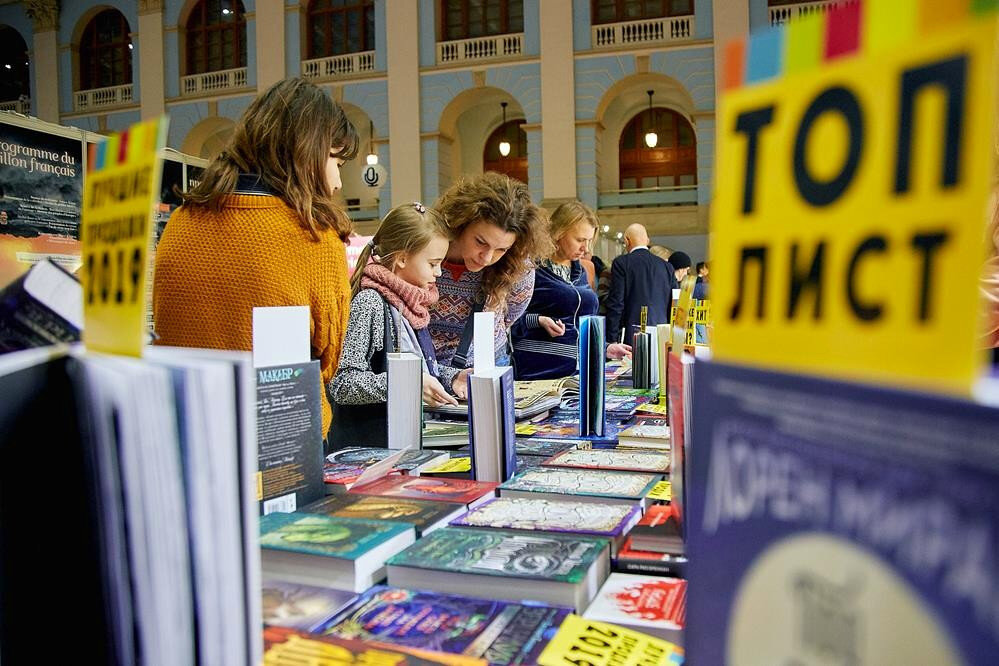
{"points": [[556, 568]]}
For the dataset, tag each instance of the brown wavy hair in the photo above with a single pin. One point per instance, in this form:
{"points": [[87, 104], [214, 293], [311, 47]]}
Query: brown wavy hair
{"points": [[500, 200], [285, 136]]}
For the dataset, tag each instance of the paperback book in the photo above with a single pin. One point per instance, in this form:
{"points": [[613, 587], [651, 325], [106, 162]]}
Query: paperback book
{"points": [[424, 515], [629, 560], [444, 434], [581, 485], [345, 553], [581, 641], [646, 433], [462, 491], [592, 414], [559, 569], [611, 521], [610, 459], [499, 632], [286, 646], [650, 604], [302, 607], [659, 530]]}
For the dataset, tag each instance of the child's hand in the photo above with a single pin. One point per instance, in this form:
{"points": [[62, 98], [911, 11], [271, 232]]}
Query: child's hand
{"points": [[460, 384], [434, 394], [553, 327]]}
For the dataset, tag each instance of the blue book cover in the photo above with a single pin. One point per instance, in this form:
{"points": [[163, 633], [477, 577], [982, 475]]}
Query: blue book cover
{"points": [[592, 416], [509, 425], [500, 632], [332, 536], [831, 522]]}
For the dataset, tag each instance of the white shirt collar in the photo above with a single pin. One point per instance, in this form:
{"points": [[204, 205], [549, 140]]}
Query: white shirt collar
{"points": [[639, 247]]}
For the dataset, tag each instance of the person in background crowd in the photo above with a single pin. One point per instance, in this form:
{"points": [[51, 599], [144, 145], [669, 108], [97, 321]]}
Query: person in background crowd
{"points": [[599, 265], [638, 279], [680, 261], [391, 303], [591, 270], [701, 287], [545, 338], [498, 235], [661, 251], [263, 229], [3, 217], [702, 271]]}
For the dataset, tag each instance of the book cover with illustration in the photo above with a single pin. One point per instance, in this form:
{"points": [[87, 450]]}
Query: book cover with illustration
{"points": [[284, 646], [581, 483], [605, 520], [440, 489], [582, 641], [422, 514], [659, 530], [304, 607], [610, 459], [332, 536], [541, 556], [563, 424], [412, 462], [500, 632], [630, 560], [539, 446], [650, 604]]}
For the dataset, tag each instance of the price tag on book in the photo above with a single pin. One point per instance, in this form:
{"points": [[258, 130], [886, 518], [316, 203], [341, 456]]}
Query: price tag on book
{"points": [[582, 642], [121, 190], [661, 492], [849, 241]]}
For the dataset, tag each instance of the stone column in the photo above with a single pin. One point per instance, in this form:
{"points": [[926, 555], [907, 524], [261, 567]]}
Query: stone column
{"points": [[270, 16], [730, 20], [45, 57], [558, 100], [403, 57], [152, 95]]}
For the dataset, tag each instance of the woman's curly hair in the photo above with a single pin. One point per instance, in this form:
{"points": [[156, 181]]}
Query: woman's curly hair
{"points": [[500, 200]]}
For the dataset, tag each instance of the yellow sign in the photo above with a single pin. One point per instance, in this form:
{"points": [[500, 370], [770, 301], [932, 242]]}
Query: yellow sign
{"points": [[460, 464], [115, 233], [582, 642], [848, 219], [683, 319], [662, 492]]}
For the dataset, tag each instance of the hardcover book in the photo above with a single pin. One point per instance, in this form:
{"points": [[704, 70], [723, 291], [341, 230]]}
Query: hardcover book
{"points": [[560, 569], [592, 412], [444, 434], [610, 459], [564, 425], [582, 485], [659, 530], [345, 466], [611, 521], [284, 646], [652, 433], [539, 446], [424, 515], [629, 560], [650, 604], [500, 632], [346, 553], [303, 607], [461, 491], [42, 307]]}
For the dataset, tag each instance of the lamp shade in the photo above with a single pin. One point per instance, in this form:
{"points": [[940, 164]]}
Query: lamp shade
{"points": [[372, 159], [651, 139], [504, 148]]}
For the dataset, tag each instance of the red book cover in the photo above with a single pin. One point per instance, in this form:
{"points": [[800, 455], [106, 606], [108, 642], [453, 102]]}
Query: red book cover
{"points": [[441, 489], [659, 530]]}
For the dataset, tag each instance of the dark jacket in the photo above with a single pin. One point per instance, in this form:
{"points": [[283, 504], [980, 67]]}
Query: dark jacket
{"points": [[638, 278], [535, 354]]}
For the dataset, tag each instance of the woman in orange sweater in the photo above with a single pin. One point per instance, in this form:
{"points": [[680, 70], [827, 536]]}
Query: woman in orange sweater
{"points": [[262, 229]]}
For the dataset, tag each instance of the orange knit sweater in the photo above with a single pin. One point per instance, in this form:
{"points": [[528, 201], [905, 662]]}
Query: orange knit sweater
{"points": [[212, 269]]}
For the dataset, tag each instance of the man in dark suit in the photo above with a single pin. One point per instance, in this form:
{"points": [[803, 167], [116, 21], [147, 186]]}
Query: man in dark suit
{"points": [[638, 278]]}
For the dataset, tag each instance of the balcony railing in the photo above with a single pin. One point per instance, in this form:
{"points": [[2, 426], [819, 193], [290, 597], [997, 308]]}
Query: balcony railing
{"points": [[99, 98], [22, 106], [339, 65], [648, 31], [784, 13], [213, 82], [481, 48], [681, 195]]}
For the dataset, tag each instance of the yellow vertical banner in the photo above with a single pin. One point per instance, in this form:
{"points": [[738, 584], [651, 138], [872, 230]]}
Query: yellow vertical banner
{"points": [[120, 191]]}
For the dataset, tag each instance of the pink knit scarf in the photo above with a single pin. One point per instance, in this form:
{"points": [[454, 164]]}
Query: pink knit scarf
{"points": [[412, 301]]}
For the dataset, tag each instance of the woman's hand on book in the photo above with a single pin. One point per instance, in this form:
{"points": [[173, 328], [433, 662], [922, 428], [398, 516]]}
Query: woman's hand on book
{"points": [[618, 351], [434, 394], [460, 384], [553, 327]]}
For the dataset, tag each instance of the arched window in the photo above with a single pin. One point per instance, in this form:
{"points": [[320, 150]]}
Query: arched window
{"points": [[216, 36], [616, 11], [514, 164], [336, 27], [465, 19], [672, 162], [14, 81], [106, 51]]}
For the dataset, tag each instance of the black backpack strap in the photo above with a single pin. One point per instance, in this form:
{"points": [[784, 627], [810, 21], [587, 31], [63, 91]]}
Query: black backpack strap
{"points": [[389, 325], [460, 358]]}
